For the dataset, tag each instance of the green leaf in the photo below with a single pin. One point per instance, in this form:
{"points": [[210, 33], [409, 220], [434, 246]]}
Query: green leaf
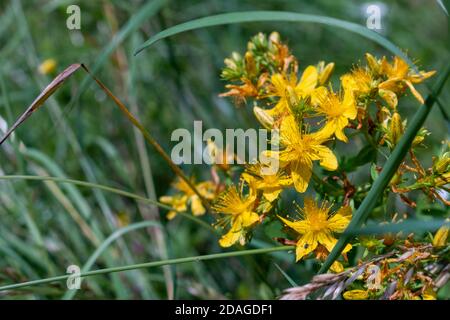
{"points": [[365, 155], [273, 229]]}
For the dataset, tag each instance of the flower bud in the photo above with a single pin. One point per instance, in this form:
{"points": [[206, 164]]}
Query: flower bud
{"points": [[395, 128], [266, 120], [274, 37], [441, 236], [442, 164], [325, 72], [389, 96], [292, 97], [250, 65], [373, 63]]}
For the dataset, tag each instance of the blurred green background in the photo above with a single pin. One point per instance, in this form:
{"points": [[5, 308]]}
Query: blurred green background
{"points": [[80, 134]]}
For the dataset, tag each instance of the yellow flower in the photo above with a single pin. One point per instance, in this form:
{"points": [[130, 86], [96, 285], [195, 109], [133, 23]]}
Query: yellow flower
{"points": [[220, 157], [317, 227], [300, 150], [441, 236], [271, 183], [356, 295], [179, 202], [359, 81], [429, 294], [398, 75], [337, 112], [240, 214], [288, 90], [47, 66]]}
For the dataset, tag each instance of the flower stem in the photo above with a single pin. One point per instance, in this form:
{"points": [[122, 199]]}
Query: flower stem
{"points": [[148, 137]]}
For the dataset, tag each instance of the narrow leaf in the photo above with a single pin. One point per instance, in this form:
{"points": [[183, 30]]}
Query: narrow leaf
{"points": [[43, 96], [283, 16]]}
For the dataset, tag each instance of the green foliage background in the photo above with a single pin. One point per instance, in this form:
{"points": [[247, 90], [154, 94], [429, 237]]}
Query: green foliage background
{"points": [[80, 134]]}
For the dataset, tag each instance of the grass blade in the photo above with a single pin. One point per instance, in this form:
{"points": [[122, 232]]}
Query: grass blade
{"points": [[88, 185], [43, 96], [389, 170], [260, 16], [286, 276], [108, 241], [149, 265], [412, 225]]}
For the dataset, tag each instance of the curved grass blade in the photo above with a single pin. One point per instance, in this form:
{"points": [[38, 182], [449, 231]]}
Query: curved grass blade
{"points": [[261, 16], [108, 241], [389, 170], [149, 265], [441, 4]]}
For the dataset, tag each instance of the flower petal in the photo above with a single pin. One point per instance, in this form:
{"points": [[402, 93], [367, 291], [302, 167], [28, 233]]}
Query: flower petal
{"points": [[416, 94], [271, 194], [197, 206], [327, 240], [301, 174], [233, 235], [249, 218], [300, 226], [308, 81], [305, 245], [327, 158], [337, 267], [340, 221], [171, 214]]}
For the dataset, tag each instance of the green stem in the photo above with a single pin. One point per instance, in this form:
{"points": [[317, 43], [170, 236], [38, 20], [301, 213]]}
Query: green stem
{"points": [[388, 172], [148, 265], [108, 189], [88, 185]]}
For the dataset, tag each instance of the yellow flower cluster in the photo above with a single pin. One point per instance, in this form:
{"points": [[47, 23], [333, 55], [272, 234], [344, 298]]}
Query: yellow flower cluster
{"points": [[308, 114]]}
